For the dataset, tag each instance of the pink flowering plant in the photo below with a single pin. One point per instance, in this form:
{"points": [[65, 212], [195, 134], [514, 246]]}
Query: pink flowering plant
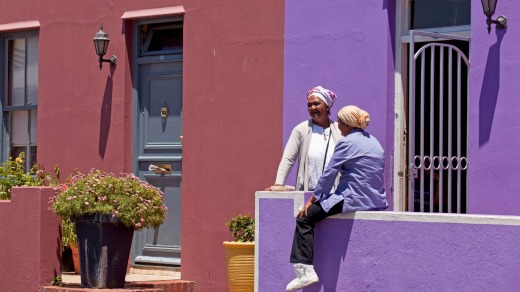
{"points": [[131, 200]]}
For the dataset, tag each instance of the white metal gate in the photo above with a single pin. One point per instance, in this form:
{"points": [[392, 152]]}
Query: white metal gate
{"points": [[437, 125]]}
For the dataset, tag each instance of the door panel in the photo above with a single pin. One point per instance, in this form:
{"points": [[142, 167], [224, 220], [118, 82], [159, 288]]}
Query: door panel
{"points": [[437, 124], [159, 125]]}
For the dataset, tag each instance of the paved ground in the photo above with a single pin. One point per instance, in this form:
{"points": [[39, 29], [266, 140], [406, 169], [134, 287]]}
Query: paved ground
{"points": [[71, 278]]}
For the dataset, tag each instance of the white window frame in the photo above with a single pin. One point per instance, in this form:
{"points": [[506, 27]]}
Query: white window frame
{"points": [[402, 34]]}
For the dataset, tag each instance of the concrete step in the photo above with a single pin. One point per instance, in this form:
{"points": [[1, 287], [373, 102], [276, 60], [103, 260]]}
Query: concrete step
{"points": [[149, 286]]}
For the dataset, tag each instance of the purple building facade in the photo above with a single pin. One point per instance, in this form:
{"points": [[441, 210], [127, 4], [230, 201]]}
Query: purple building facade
{"points": [[359, 50], [465, 98]]}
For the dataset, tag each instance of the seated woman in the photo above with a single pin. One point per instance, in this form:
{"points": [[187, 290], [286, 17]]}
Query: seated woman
{"points": [[360, 161]]}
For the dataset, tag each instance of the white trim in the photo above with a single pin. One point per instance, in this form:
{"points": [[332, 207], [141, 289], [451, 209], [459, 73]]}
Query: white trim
{"points": [[399, 176], [457, 31], [298, 198], [257, 241], [151, 13], [31, 24], [431, 218]]}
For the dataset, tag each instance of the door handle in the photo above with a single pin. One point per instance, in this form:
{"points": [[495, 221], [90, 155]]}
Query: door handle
{"points": [[164, 112], [160, 168]]}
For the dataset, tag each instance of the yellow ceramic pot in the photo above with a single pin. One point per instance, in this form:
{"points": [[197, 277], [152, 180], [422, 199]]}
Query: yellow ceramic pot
{"points": [[240, 262]]}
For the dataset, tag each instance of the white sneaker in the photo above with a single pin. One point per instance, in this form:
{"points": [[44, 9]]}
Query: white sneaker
{"points": [[305, 276]]}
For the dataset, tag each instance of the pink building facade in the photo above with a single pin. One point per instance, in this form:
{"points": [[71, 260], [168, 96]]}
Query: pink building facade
{"points": [[212, 90]]}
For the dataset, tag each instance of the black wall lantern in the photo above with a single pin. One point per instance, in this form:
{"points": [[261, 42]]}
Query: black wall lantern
{"points": [[489, 9], [101, 41]]}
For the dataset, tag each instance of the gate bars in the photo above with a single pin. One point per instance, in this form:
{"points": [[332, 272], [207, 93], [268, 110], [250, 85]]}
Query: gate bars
{"points": [[428, 167]]}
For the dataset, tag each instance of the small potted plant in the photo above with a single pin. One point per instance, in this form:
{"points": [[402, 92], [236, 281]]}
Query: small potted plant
{"points": [[13, 174], [106, 208], [240, 253], [69, 239]]}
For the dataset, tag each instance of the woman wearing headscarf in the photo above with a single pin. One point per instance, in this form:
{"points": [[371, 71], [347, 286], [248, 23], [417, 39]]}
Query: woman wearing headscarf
{"points": [[359, 159], [311, 143]]}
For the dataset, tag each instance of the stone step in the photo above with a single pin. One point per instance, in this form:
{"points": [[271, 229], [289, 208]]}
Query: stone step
{"points": [[149, 286]]}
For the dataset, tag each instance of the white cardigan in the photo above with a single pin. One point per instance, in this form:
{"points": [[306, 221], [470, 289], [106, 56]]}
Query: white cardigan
{"points": [[298, 147]]}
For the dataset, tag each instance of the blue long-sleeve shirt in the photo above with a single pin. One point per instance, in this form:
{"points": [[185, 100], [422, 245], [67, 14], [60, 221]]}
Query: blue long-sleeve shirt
{"points": [[360, 160]]}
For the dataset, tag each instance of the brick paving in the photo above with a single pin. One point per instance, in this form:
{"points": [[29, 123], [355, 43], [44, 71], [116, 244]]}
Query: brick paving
{"points": [[133, 283]]}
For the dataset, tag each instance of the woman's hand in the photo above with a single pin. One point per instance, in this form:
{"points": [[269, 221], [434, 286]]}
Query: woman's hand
{"points": [[277, 188], [307, 206], [269, 188]]}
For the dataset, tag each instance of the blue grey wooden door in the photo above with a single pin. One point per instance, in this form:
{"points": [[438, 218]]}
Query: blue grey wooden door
{"points": [[159, 155]]}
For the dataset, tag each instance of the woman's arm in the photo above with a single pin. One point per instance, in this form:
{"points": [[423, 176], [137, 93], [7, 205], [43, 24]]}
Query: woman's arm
{"points": [[327, 180], [290, 154]]}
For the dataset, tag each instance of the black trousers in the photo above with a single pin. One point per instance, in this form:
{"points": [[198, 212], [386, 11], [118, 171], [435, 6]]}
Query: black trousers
{"points": [[303, 242]]}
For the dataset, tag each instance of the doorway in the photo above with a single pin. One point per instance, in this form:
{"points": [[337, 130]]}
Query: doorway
{"points": [[437, 124], [158, 134], [431, 105]]}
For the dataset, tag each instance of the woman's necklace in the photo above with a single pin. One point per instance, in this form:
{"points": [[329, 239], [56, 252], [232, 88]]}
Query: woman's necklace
{"points": [[325, 134]]}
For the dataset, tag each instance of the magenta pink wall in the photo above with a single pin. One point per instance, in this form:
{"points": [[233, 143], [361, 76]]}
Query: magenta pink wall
{"points": [[30, 245], [232, 106], [233, 79]]}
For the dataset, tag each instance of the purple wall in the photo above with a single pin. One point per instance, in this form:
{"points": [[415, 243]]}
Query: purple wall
{"points": [[346, 46], [390, 251], [494, 113]]}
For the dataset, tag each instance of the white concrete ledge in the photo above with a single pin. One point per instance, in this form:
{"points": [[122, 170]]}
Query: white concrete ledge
{"points": [[299, 201]]}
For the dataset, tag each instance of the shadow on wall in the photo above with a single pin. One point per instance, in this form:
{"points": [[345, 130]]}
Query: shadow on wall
{"points": [[105, 117], [337, 244], [489, 90]]}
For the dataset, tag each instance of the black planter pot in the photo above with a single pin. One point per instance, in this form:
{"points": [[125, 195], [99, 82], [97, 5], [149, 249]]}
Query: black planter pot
{"points": [[104, 247]]}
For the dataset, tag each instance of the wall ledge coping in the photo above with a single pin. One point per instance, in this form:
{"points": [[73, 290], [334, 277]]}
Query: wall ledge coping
{"points": [[299, 201], [156, 12], [20, 25]]}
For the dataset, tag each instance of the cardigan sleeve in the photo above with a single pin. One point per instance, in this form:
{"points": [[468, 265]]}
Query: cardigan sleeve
{"points": [[290, 154]]}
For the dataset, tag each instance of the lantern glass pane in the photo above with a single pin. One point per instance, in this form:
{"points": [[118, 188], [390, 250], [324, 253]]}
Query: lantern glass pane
{"points": [[489, 6], [101, 46]]}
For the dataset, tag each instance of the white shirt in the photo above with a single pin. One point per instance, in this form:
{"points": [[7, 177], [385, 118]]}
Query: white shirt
{"points": [[316, 154]]}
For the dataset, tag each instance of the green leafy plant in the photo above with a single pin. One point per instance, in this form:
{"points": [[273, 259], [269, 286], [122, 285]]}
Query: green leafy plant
{"points": [[242, 228], [68, 233], [56, 281], [12, 173], [133, 201]]}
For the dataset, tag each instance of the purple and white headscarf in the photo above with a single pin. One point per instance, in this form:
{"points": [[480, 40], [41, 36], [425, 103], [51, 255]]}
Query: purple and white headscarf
{"points": [[324, 94]]}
